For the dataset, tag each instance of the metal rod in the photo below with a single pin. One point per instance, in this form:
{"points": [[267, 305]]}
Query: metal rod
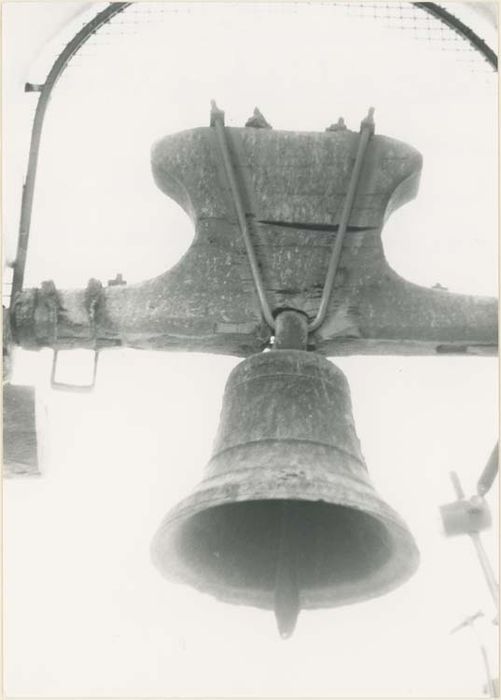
{"points": [[366, 130], [457, 485], [485, 658], [489, 473], [470, 623], [490, 682], [217, 119]]}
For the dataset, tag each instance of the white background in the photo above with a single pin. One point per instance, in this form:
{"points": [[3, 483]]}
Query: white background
{"points": [[86, 614]]}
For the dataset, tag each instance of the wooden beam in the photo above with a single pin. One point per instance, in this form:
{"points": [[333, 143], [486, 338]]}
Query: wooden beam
{"points": [[293, 186]]}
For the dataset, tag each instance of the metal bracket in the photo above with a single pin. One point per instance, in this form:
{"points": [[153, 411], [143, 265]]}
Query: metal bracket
{"points": [[63, 386], [469, 517], [94, 295]]}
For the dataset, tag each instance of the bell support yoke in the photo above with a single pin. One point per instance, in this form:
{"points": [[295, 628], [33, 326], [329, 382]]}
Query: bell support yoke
{"points": [[292, 188]]}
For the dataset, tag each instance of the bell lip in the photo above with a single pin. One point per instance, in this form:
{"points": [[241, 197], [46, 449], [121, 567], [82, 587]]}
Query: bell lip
{"points": [[396, 571]]}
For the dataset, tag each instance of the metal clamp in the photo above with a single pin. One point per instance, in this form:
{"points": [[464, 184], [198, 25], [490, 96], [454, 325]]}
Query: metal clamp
{"points": [[48, 308], [94, 295], [469, 517]]}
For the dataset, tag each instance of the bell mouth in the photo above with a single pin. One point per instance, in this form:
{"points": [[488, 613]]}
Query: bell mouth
{"points": [[337, 554]]}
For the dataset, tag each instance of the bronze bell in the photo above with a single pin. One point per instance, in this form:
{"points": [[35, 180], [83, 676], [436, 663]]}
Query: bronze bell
{"points": [[286, 516]]}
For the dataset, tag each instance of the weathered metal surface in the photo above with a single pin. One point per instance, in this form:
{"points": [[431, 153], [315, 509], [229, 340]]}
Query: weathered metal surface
{"points": [[291, 331], [20, 445], [294, 184], [286, 435]]}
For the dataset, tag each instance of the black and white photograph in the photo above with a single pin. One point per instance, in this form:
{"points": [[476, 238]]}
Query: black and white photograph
{"points": [[250, 335]]}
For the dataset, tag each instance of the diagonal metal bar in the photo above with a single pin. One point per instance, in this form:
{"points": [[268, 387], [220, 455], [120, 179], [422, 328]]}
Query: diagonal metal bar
{"points": [[366, 131], [489, 472], [217, 120]]}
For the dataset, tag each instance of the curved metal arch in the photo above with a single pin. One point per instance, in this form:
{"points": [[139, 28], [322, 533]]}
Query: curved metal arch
{"points": [[455, 24], [36, 134]]}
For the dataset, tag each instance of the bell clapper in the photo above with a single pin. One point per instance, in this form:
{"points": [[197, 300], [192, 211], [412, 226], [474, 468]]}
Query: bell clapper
{"points": [[291, 332], [286, 594]]}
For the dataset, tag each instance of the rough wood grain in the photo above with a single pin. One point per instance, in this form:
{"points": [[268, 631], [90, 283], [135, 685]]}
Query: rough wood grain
{"points": [[293, 185]]}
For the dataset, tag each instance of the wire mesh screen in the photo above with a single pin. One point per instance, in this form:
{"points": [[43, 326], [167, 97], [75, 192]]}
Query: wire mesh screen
{"points": [[442, 27], [417, 22]]}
